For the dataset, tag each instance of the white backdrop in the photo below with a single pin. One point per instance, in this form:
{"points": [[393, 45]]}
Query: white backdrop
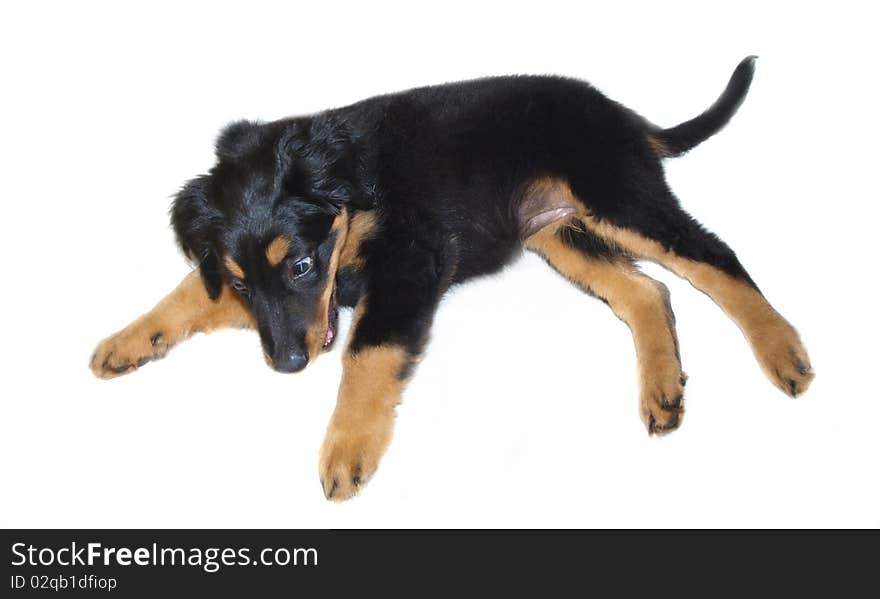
{"points": [[523, 412]]}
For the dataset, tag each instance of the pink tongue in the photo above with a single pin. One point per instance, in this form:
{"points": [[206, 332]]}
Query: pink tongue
{"points": [[328, 336]]}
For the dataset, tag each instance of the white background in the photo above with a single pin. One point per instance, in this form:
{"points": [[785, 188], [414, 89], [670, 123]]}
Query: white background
{"points": [[523, 412]]}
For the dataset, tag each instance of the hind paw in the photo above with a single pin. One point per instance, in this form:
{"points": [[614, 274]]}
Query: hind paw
{"points": [[784, 360], [661, 401]]}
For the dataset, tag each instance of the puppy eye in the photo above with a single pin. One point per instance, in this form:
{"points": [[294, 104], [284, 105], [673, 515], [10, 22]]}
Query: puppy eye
{"points": [[239, 286], [300, 267]]}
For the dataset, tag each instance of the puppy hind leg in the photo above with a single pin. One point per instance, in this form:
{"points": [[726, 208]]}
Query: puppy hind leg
{"points": [[662, 232], [639, 301]]}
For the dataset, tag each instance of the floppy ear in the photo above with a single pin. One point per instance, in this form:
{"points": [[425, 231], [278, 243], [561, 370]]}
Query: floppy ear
{"points": [[195, 221], [237, 139], [326, 157], [209, 268]]}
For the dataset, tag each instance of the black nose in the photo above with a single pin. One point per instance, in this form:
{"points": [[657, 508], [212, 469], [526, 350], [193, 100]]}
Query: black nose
{"points": [[292, 362]]}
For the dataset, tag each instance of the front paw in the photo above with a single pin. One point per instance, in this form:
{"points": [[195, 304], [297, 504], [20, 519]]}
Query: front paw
{"points": [[351, 453], [128, 350]]}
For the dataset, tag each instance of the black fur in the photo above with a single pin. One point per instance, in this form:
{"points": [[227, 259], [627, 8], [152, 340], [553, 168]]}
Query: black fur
{"points": [[683, 137], [444, 169]]}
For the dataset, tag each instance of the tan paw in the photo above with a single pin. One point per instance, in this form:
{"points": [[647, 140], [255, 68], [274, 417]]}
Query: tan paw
{"points": [[128, 350], [784, 358], [351, 454], [661, 399]]}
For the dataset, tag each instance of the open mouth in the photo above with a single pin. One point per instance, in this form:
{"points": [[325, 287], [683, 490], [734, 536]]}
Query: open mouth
{"points": [[332, 320]]}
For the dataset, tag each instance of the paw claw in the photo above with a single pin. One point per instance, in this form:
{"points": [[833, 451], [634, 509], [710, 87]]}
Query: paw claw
{"points": [[350, 455], [120, 369], [784, 358], [333, 488], [662, 398], [674, 404], [661, 429]]}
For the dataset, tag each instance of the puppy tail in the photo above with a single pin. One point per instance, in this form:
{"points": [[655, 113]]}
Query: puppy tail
{"points": [[681, 138]]}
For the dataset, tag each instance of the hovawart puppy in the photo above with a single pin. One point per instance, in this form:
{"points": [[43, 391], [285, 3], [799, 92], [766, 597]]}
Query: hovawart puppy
{"points": [[384, 204]]}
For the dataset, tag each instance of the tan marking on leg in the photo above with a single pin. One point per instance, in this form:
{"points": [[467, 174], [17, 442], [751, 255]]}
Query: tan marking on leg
{"points": [[277, 250], [185, 311], [362, 424], [317, 330], [640, 302], [233, 267], [362, 227], [774, 341]]}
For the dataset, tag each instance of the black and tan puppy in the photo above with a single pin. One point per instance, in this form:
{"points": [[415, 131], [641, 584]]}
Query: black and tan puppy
{"points": [[383, 205]]}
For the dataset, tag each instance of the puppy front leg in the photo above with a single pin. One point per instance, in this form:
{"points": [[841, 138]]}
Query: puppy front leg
{"points": [[362, 424], [185, 311], [387, 336]]}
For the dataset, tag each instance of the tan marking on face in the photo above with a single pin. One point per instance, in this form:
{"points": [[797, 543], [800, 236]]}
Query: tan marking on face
{"points": [[362, 424], [185, 311], [232, 266], [277, 250], [640, 302], [318, 327], [363, 226]]}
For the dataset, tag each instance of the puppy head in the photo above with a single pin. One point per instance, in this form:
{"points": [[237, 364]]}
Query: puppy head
{"points": [[270, 218]]}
